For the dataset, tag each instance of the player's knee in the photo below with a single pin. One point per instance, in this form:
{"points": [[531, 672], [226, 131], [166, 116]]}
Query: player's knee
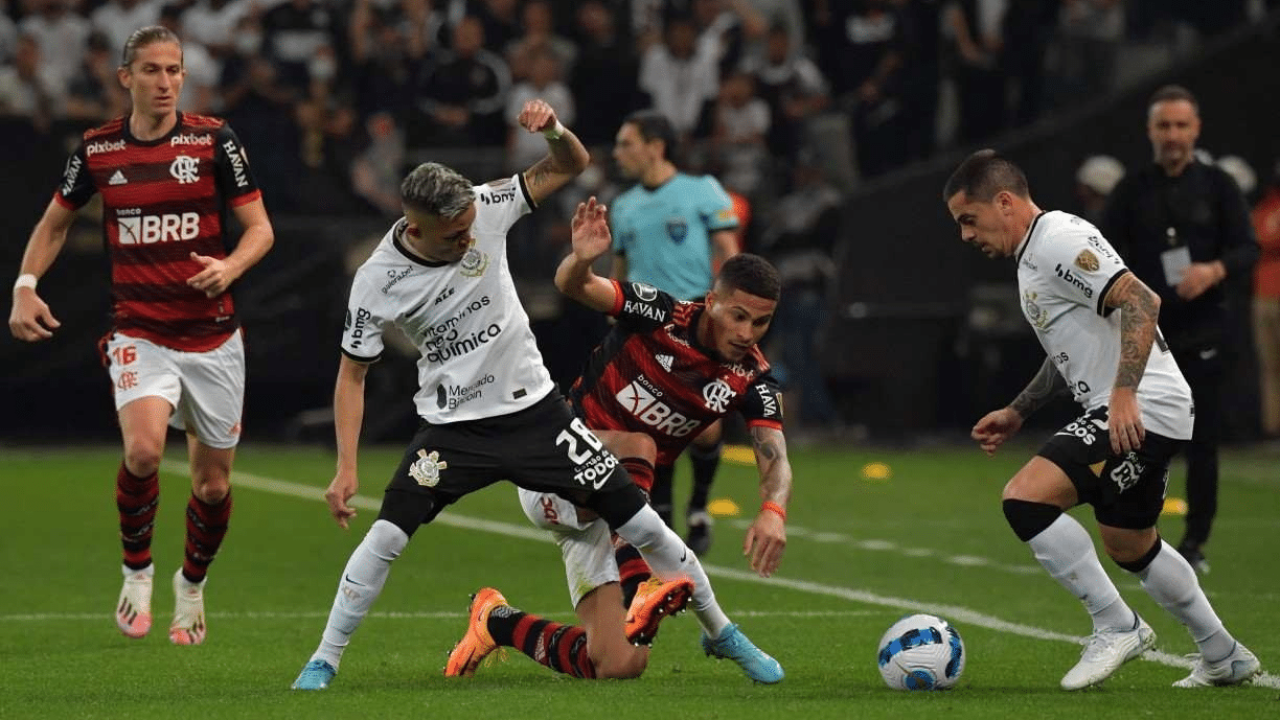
{"points": [[212, 491], [626, 663], [1029, 519], [142, 457]]}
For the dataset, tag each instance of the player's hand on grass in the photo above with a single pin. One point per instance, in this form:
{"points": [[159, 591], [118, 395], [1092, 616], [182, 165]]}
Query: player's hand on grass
{"points": [[341, 490], [31, 319], [765, 541], [995, 427]]}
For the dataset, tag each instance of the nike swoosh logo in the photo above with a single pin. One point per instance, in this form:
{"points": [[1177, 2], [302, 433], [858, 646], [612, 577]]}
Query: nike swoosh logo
{"points": [[684, 555], [353, 582]]}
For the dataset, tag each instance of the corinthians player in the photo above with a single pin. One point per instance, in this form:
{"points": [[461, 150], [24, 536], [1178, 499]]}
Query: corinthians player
{"points": [[1097, 324], [489, 408]]}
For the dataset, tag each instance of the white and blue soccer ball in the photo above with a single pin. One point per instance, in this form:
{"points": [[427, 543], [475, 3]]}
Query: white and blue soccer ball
{"points": [[921, 652]]}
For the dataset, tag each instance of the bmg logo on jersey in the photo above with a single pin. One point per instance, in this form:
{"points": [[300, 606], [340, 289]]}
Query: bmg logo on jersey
{"points": [[152, 229], [653, 412]]}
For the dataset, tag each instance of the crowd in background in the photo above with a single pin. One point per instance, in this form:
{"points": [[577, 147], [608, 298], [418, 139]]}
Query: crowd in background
{"points": [[336, 97]]}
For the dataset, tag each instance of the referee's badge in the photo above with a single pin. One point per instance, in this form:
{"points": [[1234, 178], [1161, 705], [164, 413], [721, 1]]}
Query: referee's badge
{"points": [[426, 469]]}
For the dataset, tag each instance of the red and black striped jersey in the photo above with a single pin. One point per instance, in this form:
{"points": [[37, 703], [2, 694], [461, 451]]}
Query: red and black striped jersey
{"points": [[163, 200], [651, 375]]}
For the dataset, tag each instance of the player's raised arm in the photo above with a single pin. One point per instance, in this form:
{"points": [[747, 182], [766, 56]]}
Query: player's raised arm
{"points": [[31, 319], [1139, 310], [591, 239], [566, 157]]}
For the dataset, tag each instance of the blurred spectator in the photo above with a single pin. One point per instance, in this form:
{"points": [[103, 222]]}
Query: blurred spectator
{"points": [[539, 34], [1087, 46], [8, 33], [785, 14], [28, 88], [1028, 28], [724, 28], [200, 90], [975, 47], [463, 94], [377, 171], [293, 33], [212, 23], [1095, 178], [605, 74], [741, 122], [261, 109], [799, 238], [500, 21], [1266, 302], [117, 19], [921, 74], [325, 155], [794, 89], [865, 50], [95, 94], [544, 81], [61, 35], [682, 83], [385, 48]]}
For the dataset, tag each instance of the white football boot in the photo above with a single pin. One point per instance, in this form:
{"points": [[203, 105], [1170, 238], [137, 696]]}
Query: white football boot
{"points": [[133, 609], [1105, 652], [1233, 669]]}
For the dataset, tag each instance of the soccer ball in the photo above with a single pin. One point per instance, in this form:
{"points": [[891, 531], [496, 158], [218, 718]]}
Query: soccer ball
{"points": [[921, 652]]}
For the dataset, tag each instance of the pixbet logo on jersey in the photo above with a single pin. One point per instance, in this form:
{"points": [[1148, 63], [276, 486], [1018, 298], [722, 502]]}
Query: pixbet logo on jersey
{"points": [[653, 412], [151, 229]]}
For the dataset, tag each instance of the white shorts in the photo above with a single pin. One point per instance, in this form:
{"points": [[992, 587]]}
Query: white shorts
{"points": [[585, 546], [205, 389]]}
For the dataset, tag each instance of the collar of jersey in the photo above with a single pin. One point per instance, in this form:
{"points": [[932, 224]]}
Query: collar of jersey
{"points": [[128, 134], [1026, 239], [399, 245]]}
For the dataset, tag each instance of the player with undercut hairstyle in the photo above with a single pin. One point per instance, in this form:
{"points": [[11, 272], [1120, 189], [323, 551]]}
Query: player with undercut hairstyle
{"points": [[175, 351], [1098, 325]]}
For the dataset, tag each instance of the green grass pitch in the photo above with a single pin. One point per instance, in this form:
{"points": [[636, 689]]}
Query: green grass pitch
{"points": [[862, 552]]}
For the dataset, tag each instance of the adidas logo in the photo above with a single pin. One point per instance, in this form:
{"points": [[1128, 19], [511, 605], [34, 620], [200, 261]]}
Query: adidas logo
{"points": [[118, 179], [665, 361]]}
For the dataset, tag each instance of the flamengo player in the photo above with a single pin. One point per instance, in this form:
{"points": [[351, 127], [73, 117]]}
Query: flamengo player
{"points": [[175, 352]]}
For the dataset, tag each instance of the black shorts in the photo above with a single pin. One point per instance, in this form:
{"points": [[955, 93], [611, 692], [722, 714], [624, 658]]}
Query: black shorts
{"points": [[1126, 491], [542, 448]]}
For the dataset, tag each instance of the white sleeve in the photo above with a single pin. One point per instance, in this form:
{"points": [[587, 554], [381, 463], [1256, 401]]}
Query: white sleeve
{"points": [[1081, 265], [362, 326], [502, 203]]}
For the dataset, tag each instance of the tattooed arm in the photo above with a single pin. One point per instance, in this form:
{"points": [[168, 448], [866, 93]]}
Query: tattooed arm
{"points": [[1047, 383], [566, 156], [1139, 311], [767, 536]]}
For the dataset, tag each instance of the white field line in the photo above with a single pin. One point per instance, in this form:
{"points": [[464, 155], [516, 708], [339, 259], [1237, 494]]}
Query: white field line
{"points": [[960, 614], [441, 615]]}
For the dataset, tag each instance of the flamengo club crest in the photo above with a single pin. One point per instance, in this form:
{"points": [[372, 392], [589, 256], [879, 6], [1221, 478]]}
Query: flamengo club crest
{"points": [[426, 469], [183, 169]]}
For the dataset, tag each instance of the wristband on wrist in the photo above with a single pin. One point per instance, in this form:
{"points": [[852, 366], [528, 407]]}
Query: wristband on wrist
{"points": [[774, 507], [555, 132], [25, 280]]}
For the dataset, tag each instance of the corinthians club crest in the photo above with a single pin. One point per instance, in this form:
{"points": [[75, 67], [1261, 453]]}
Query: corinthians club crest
{"points": [[426, 469], [475, 262]]}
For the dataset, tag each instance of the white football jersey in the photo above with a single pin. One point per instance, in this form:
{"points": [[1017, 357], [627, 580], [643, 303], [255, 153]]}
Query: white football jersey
{"points": [[478, 357], [1065, 269]]}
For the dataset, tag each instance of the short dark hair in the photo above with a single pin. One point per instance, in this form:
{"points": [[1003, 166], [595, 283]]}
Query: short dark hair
{"points": [[751, 274], [143, 37], [1173, 93], [653, 125], [984, 174]]}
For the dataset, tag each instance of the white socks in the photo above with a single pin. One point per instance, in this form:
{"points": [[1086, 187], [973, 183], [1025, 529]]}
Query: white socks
{"points": [[361, 583], [1066, 551], [669, 557], [1171, 581]]}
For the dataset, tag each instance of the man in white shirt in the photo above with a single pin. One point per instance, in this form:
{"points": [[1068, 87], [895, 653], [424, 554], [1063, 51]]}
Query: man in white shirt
{"points": [[1115, 457], [490, 411]]}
